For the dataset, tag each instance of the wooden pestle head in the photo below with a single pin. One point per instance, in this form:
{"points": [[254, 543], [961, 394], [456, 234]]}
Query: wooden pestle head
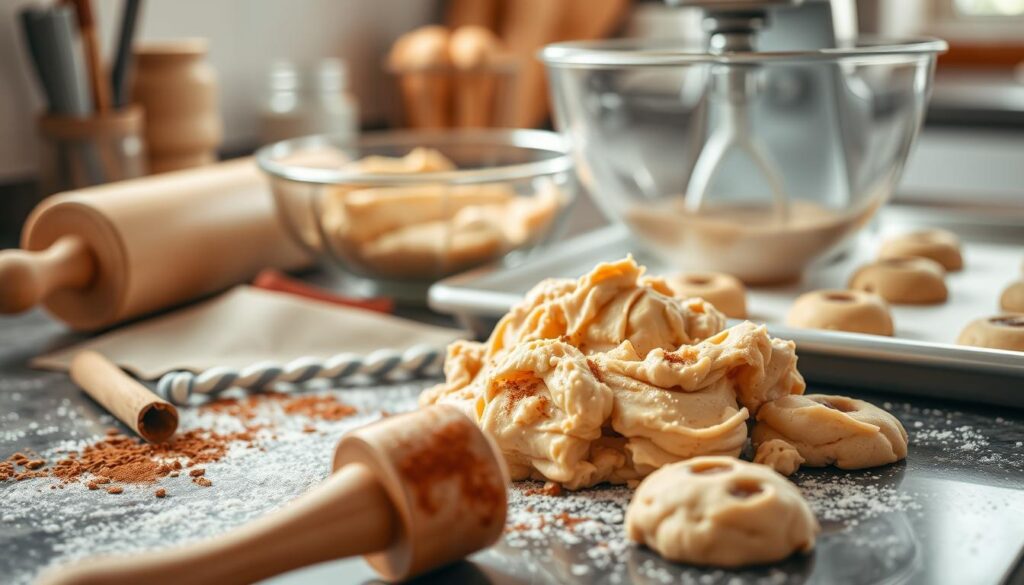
{"points": [[447, 481]]}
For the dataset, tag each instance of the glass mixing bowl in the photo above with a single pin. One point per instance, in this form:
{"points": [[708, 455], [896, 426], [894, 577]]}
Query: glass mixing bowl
{"points": [[755, 164], [393, 225]]}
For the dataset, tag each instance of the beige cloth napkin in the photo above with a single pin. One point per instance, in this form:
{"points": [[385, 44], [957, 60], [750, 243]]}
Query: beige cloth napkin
{"points": [[247, 325]]}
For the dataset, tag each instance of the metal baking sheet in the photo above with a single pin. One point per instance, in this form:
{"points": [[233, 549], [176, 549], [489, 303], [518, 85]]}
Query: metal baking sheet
{"points": [[921, 358]]}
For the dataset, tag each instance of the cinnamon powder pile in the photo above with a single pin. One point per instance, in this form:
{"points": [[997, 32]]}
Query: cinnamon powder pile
{"points": [[121, 459]]}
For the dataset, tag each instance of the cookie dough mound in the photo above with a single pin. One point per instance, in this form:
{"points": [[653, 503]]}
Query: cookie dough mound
{"points": [[832, 430], [719, 511], [756, 366], [939, 245], [903, 280], [1012, 299], [611, 304], [997, 332], [724, 291], [779, 455], [609, 377], [841, 310]]}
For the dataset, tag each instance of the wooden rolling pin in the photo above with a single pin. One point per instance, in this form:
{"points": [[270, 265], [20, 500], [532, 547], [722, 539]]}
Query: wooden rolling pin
{"points": [[104, 254], [411, 492]]}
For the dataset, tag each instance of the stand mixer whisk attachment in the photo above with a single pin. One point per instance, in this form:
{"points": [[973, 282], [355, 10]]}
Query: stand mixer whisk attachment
{"points": [[732, 27]]}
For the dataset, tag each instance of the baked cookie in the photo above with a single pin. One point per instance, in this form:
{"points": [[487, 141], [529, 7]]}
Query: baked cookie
{"points": [[1012, 299], [832, 430], [903, 280], [722, 512], [939, 245], [779, 455], [998, 332], [841, 310], [724, 291]]}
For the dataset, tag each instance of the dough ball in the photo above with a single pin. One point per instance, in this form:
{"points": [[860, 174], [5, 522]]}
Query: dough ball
{"points": [[939, 245], [841, 310], [1012, 299], [907, 280], [998, 332], [719, 511], [779, 455], [832, 430], [724, 291]]}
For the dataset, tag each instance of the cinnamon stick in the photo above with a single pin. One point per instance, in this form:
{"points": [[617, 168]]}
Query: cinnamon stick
{"points": [[151, 417]]}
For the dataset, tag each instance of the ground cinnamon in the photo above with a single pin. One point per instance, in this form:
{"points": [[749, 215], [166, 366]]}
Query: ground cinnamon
{"points": [[120, 459]]}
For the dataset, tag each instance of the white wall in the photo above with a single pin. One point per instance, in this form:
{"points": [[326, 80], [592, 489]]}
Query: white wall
{"points": [[244, 35]]}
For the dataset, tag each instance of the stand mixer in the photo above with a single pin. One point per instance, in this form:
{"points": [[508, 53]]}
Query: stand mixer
{"points": [[756, 152], [791, 102]]}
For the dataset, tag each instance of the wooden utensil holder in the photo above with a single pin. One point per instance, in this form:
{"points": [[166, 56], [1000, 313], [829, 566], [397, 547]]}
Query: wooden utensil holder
{"points": [[82, 152]]}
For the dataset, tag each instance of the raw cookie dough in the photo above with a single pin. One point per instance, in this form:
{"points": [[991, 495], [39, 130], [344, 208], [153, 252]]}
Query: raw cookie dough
{"points": [[779, 455], [939, 245], [905, 280], [841, 310], [427, 230], [722, 512], [998, 332], [607, 378], [832, 430], [1012, 299], [724, 291]]}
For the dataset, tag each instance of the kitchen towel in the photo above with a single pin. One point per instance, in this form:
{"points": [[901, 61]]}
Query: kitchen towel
{"points": [[245, 326]]}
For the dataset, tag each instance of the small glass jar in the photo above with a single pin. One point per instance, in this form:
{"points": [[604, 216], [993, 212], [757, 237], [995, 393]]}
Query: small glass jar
{"points": [[307, 102]]}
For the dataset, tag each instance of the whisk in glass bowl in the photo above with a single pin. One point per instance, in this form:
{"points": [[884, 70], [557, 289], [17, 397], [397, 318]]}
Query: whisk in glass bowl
{"points": [[752, 163], [395, 211]]}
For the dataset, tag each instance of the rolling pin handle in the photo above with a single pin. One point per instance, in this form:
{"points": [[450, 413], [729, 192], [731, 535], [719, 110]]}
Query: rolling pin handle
{"points": [[348, 514], [26, 278]]}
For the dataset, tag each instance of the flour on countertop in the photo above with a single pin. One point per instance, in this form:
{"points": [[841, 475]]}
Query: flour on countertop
{"points": [[576, 537]]}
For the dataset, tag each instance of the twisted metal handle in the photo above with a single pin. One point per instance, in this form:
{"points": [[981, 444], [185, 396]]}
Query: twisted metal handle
{"points": [[419, 361]]}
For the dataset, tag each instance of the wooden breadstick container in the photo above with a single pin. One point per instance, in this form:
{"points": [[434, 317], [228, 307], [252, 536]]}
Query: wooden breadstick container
{"points": [[97, 256]]}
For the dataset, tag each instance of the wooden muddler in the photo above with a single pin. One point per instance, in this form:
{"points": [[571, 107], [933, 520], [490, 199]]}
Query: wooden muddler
{"points": [[151, 417], [100, 255], [411, 492]]}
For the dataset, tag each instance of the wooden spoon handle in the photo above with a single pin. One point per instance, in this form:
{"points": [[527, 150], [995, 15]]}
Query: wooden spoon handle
{"points": [[348, 514], [26, 278]]}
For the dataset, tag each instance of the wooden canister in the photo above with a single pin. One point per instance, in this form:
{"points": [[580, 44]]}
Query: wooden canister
{"points": [[178, 90], [105, 254]]}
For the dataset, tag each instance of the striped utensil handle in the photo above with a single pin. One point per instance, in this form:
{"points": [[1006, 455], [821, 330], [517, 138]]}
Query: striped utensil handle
{"points": [[417, 362]]}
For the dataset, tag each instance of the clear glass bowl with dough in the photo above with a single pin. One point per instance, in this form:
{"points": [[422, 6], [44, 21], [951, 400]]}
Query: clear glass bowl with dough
{"points": [[397, 210], [755, 164]]}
